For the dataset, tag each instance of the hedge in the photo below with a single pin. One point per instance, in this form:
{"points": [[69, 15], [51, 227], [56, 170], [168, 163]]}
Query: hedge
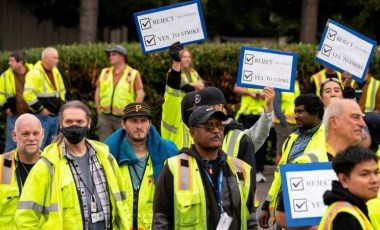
{"points": [[217, 63]]}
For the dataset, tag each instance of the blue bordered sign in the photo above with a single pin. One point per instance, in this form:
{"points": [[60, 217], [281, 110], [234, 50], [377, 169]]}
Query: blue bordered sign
{"points": [[303, 186], [159, 28], [344, 49], [259, 68]]}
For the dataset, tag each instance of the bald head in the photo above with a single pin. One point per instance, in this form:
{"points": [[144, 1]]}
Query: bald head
{"points": [[28, 135], [49, 58], [343, 122]]}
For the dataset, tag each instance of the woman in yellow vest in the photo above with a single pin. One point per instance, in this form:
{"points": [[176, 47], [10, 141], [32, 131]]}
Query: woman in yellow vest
{"points": [[357, 172], [190, 79]]}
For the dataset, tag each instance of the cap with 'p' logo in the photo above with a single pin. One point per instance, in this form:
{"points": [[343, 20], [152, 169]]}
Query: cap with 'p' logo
{"points": [[136, 109]]}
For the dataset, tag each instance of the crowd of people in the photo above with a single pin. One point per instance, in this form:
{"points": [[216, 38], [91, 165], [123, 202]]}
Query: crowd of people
{"points": [[201, 171]]}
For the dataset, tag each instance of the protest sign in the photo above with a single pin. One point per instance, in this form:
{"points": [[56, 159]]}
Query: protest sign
{"points": [[159, 28], [303, 186], [344, 49], [264, 67]]}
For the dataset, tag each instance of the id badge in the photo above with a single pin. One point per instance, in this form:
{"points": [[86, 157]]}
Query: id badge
{"points": [[93, 207], [97, 217], [224, 222]]}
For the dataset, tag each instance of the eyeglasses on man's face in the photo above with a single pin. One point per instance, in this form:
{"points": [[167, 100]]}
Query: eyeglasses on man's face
{"points": [[209, 127]]}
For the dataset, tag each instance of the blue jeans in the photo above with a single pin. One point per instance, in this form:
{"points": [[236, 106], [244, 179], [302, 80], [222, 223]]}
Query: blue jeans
{"points": [[50, 126], [9, 143]]}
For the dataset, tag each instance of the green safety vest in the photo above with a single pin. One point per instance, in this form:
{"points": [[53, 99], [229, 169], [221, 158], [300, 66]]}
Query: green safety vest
{"points": [[8, 84], [113, 98], [172, 126], [52, 200], [190, 210], [9, 190], [37, 85], [370, 101], [249, 105], [287, 105], [145, 196], [334, 209], [315, 151]]}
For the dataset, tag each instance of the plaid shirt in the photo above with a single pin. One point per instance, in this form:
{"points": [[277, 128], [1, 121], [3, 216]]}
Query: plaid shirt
{"points": [[98, 176]]}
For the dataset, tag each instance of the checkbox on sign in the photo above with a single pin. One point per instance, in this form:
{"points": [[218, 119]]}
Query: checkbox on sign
{"points": [[249, 59], [326, 50], [149, 40], [145, 23], [300, 205], [247, 75], [296, 184], [331, 34]]}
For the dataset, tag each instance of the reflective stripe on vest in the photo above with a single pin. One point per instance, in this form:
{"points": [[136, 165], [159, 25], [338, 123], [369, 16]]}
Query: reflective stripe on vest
{"points": [[184, 166], [7, 167], [371, 95], [231, 142], [342, 206], [37, 207]]}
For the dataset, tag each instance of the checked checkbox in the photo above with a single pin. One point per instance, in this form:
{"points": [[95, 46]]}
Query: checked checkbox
{"points": [[296, 184], [145, 23], [331, 34], [326, 50], [150, 40], [247, 76], [249, 59], [300, 205]]}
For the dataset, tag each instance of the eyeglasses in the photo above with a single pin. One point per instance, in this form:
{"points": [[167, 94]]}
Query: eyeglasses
{"points": [[209, 127], [330, 79]]}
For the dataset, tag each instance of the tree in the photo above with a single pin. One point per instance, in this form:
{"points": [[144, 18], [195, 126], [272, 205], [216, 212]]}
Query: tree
{"points": [[88, 22], [309, 17]]}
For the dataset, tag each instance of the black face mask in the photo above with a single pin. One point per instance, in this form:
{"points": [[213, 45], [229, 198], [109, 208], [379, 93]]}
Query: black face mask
{"points": [[75, 133]]}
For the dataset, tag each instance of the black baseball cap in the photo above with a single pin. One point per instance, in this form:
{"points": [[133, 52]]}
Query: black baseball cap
{"points": [[209, 96], [202, 114]]}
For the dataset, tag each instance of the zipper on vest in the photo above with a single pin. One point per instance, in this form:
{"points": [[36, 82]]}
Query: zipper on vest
{"points": [[136, 193]]}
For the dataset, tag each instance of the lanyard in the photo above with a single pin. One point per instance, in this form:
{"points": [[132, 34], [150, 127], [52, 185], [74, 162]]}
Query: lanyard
{"points": [[218, 191]]}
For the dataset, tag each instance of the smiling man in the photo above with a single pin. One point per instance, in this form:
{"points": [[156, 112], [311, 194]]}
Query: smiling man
{"points": [[358, 182], [310, 135]]}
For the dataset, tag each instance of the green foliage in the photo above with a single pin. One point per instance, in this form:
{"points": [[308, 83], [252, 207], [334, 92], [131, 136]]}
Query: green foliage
{"points": [[80, 66]]}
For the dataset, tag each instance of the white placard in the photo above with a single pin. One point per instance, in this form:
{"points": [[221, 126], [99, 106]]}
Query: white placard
{"points": [[344, 49], [303, 186], [159, 28], [259, 68]]}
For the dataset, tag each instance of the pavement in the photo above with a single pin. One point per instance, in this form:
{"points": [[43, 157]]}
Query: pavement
{"points": [[263, 188]]}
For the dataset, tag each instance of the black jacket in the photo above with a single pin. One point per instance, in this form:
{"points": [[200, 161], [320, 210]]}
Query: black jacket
{"points": [[343, 220], [164, 196]]}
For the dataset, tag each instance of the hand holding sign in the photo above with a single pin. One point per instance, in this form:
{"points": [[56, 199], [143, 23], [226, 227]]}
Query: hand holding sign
{"points": [[174, 51]]}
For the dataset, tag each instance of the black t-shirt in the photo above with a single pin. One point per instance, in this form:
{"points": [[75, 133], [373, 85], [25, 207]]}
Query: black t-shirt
{"points": [[24, 170]]}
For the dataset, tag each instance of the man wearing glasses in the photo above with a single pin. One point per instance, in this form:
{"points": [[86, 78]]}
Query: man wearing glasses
{"points": [[202, 187]]}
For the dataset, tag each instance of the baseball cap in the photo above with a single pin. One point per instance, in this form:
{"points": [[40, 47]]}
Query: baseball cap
{"points": [[209, 96], [119, 49], [372, 120], [136, 109], [202, 114]]}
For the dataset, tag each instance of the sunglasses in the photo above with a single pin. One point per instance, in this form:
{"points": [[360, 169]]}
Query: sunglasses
{"points": [[209, 127], [330, 79]]}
